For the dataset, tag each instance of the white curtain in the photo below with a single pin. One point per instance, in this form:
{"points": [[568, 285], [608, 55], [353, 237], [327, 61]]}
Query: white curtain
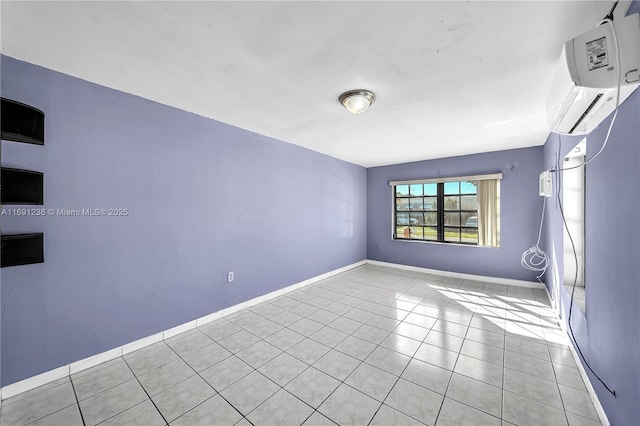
{"points": [[489, 212]]}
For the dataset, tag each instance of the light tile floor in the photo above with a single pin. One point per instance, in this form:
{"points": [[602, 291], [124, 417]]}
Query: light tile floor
{"points": [[371, 346]]}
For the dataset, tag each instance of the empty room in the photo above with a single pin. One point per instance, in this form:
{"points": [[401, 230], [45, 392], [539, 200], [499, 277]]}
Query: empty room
{"points": [[366, 213]]}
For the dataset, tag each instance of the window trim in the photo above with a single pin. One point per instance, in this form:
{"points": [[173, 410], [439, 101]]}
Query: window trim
{"points": [[446, 179]]}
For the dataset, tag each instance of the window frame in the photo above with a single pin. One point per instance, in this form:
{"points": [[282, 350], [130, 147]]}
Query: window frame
{"points": [[440, 212], [440, 209], [442, 223]]}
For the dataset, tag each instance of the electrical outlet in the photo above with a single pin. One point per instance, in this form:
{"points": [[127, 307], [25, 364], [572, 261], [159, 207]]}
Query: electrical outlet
{"points": [[230, 277]]}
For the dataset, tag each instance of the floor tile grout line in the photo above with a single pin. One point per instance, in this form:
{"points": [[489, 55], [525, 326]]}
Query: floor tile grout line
{"points": [[75, 394], [404, 369], [312, 365], [504, 373], [145, 391], [285, 351], [450, 379], [459, 353], [325, 325], [333, 348], [51, 413], [106, 390], [564, 408], [256, 370], [281, 388], [214, 389], [300, 399], [505, 368], [385, 305], [342, 382], [4, 404]]}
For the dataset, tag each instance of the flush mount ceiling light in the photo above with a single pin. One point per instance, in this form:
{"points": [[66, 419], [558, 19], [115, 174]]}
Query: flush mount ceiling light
{"points": [[357, 101]]}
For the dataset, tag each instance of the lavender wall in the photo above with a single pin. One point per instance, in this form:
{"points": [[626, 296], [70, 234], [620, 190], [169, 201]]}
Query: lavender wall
{"points": [[609, 335], [521, 208], [204, 198]]}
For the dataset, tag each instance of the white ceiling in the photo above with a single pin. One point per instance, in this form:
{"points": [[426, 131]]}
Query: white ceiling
{"points": [[450, 77]]}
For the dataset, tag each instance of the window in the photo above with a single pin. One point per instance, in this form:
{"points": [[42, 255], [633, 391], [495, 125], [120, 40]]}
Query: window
{"points": [[463, 211]]}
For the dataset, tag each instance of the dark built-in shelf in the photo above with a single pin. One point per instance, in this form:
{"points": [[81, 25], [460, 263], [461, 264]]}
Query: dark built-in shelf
{"points": [[21, 123], [20, 187], [22, 249]]}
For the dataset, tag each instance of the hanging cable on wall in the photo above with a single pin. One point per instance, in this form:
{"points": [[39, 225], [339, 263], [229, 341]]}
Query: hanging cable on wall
{"points": [[575, 281], [535, 259], [609, 20]]}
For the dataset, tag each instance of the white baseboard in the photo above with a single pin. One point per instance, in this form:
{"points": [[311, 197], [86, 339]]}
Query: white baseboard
{"points": [[592, 392], [35, 381], [85, 363], [583, 373], [505, 281], [139, 344], [58, 373], [167, 334]]}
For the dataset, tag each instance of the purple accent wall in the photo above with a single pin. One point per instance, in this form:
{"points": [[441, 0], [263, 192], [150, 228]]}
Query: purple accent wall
{"points": [[521, 208], [203, 197], [608, 335]]}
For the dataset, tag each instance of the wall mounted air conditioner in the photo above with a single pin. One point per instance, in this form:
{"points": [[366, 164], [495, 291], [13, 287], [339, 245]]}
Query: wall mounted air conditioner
{"points": [[585, 86]]}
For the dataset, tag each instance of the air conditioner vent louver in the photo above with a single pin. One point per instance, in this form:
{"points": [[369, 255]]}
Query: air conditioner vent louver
{"points": [[586, 112]]}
